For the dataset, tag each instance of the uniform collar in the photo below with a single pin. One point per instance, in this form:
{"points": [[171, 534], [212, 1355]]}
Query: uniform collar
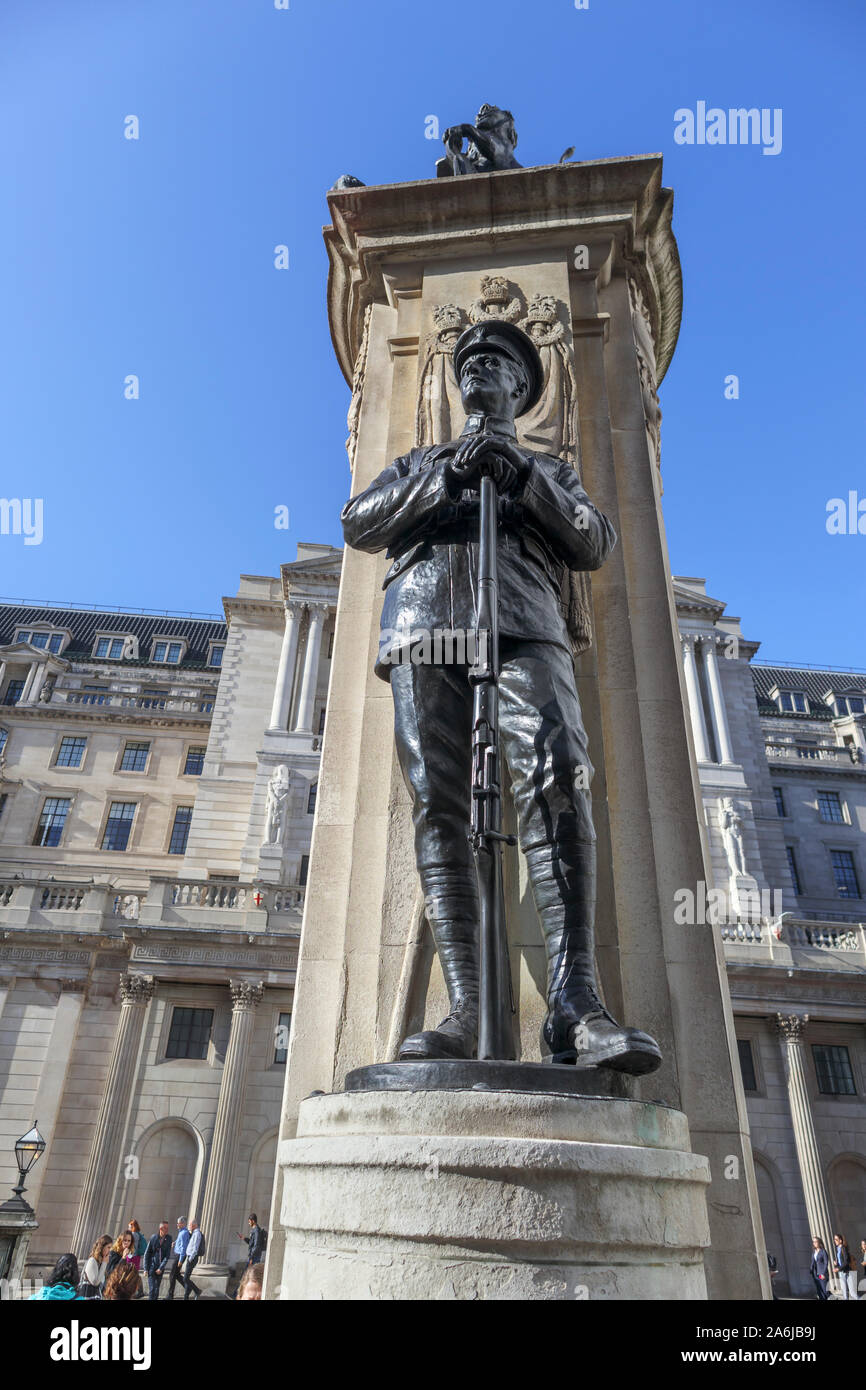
{"points": [[489, 424]]}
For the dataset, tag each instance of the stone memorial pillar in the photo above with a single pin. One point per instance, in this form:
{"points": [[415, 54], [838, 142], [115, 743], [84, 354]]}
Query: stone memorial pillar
{"points": [[589, 246]]}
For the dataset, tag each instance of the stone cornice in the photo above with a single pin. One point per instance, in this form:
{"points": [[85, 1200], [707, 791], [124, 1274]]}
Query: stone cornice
{"points": [[437, 219]]}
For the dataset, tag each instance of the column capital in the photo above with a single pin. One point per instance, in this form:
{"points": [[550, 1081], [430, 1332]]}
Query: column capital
{"points": [[791, 1027], [245, 994], [294, 607], [320, 606], [136, 989]]}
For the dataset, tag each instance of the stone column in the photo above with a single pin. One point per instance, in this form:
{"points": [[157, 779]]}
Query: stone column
{"points": [[696, 709], [29, 683], [2, 673], [717, 702], [39, 681], [309, 680], [216, 1214], [791, 1028], [103, 1167], [286, 672], [52, 1082]]}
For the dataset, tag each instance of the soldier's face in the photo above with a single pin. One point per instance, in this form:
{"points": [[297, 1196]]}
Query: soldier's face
{"points": [[488, 384]]}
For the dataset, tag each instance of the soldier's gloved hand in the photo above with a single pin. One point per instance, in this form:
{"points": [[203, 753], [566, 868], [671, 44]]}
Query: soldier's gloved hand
{"points": [[462, 470]]}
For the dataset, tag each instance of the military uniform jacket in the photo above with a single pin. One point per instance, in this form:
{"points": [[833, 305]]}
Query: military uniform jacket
{"points": [[545, 528]]}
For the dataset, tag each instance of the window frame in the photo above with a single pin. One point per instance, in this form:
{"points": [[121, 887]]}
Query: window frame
{"points": [[133, 823], [853, 1094], [849, 853], [185, 759], [216, 646], [58, 749], [50, 796], [834, 799], [172, 1006], [280, 1014], [794, 871], [114, 636], [168, 643], [781, 804], [122, 771], [178, 806]]}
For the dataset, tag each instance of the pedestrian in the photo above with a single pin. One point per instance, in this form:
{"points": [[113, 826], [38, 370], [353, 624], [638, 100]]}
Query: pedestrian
{"points": [[846, 1267], [863, 1258], [178, 1255], [194, 1252], [123, 1282], [820, 1267], [156, 1257], [250, 1286], [140, 1247], [62, 1282], [257, 1240], [140, 1240], [93, 1273], [123, 1250]]}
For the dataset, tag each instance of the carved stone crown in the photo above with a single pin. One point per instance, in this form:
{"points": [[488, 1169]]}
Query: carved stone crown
{"points": [[494, 289], [542, 309], [447, 316], [245, 994]]}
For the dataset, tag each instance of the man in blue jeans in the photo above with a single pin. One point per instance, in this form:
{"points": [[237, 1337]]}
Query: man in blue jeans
{"points": [[178, 1255], [156, 1257]]}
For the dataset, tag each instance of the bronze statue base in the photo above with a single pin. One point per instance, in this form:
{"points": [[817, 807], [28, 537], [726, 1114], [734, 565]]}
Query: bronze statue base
{"points": [[533, 1077]]}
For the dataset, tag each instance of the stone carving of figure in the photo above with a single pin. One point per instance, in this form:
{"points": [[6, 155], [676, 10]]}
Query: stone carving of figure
{"points": [[278, 800], [552, 424], [492, 141], [439, 411], [46, 692], [731, 823]]}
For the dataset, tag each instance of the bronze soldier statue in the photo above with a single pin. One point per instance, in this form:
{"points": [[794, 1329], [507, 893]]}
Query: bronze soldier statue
{"points": [[423, 510]]}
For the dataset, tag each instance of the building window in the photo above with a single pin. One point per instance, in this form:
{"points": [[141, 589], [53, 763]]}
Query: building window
{"points": [[110, 648], [780, 801], [331, 645], [194, 764], [13, 692], [180, 830], [189, 1033], [848, 704], [70, 752], [844, 873], [322, 722], [134, 757], [52, 820], [792, 866], [118, 825], [793, 700], [4, 797], [311, 799], [830, 808], [216, 656], [4, 735], [22, 636], [833, 1069], [281, 1051], [169, 652], [747, 1064], [305, 868]]}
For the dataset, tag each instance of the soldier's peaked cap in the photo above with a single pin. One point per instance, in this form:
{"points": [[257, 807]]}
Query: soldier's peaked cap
{"points": [[510, 340]]}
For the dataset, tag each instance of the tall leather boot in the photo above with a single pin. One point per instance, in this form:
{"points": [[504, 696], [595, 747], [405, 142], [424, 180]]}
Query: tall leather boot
{"points": [[578, 1027], [451, 904]]}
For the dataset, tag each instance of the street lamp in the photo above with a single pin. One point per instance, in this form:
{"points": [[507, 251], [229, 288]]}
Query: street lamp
{"points": [[27, 1150]]}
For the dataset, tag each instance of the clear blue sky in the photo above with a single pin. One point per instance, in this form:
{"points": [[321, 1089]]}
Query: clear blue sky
{"points": [[155, 257]]}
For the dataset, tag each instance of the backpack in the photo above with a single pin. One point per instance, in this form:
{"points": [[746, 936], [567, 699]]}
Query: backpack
{"points": [[201, 1246]]}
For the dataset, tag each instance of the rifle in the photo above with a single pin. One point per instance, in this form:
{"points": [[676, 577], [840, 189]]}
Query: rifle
{"points": [[495, 1002]]}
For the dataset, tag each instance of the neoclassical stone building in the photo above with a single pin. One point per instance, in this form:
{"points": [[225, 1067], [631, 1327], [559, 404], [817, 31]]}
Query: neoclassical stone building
{"points": [[781, 757], [157, 789], [156, 813]]}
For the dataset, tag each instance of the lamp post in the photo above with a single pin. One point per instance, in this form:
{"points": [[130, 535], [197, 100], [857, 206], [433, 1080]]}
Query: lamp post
{"points": [[17, 1217], [28, 1150]]}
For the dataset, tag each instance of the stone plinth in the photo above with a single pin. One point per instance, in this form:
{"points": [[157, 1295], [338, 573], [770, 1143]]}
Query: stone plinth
{"points": [[491, 1195]]}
